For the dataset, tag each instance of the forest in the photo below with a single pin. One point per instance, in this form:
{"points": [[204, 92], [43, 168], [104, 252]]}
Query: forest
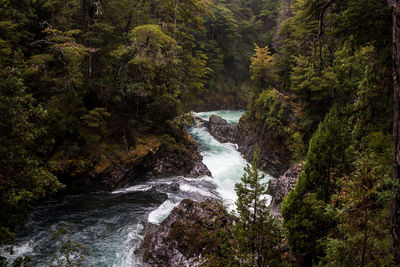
{"points": [[90, 86]]}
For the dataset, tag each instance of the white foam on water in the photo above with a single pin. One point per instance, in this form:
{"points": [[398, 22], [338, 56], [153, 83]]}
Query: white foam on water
{"points": [[136, 188], [222, 159], [227, 170], [25, 248], [117, 234], [126, 256], [19, 250], [161, 213], [162, 181], [189, 188], [204, 178]]}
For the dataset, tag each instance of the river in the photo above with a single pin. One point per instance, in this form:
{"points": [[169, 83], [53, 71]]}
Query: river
{"points": [[110, 224]]}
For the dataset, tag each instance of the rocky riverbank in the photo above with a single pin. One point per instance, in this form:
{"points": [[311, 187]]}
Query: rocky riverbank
{"points": [[149, 157], [190, 232], [279, 188]]}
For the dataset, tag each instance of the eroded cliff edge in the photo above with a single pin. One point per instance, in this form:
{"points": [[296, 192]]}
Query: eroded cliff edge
{"points": [[148, 157]]}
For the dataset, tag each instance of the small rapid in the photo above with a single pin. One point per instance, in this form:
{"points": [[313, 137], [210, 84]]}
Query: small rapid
{"points": [[111, 225], [224, 162]]}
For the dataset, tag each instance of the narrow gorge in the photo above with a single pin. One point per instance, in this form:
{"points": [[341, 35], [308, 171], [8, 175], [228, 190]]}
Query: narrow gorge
{"points": [[112, 225]]}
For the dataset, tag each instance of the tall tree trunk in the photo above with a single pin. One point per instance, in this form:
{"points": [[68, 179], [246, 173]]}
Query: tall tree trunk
{"points": [[126, 141], [365, 241], [175, 17], [253, 242], [90, 67], [395, 5], [321, 30], [91, 52]]}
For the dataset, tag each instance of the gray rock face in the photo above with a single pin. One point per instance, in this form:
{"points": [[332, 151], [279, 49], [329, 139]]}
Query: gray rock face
{"points": [[186, 163], [182, 238], [199, 169], [273, 154], [222, 130], [279, 188]]}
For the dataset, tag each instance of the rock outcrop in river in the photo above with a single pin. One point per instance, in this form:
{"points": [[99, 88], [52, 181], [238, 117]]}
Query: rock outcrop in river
{"points": [[275, 156], [186, 235], [186, 161], [279, 188], [222, 130]]}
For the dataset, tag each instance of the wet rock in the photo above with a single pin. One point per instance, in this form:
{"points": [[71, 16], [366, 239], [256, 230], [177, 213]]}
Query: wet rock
{"points": [[222, 130], [186, 235], [83, 179], [149, 156], [185, 161], [197, 122], [174, 187], [273, 153], [279, 188]]}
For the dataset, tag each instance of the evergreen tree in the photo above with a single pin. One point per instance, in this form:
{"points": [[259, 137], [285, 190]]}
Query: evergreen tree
{"points": [[256, 234], [362, 208], [306, 217]]}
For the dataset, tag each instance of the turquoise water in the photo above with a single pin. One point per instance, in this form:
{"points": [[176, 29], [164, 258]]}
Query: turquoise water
{"points": [[231, 116]]}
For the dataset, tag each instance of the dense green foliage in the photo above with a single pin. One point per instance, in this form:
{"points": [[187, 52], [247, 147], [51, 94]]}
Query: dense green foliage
{"points": [[307, 218], [330, 88], [228, 41], [83, 82], [362, 236]]}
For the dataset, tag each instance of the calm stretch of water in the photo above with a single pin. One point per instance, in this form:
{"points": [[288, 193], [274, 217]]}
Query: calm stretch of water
{"points": [[110, 225]]}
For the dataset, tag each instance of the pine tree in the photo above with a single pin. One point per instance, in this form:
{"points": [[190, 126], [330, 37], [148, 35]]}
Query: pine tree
{"points": [[256, 234], [363, 214], [306, 218]]}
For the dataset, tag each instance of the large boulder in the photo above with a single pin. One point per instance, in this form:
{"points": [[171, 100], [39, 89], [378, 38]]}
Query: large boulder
{"points": [[279, 188], [222, 130], [189, 233]]}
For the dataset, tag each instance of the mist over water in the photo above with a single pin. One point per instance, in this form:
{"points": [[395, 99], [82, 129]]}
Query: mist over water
{"points": [[110, 224]]}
